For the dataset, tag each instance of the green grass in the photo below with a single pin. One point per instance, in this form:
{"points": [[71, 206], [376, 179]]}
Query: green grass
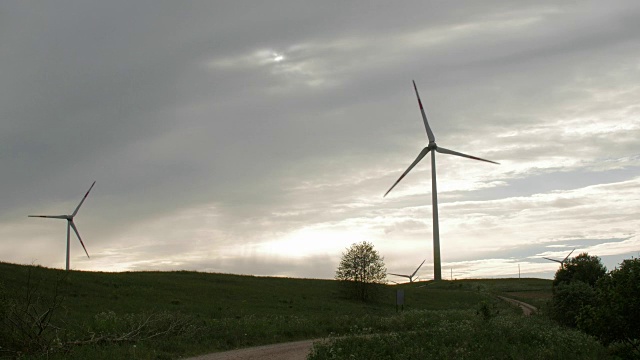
{"points": [[226, 311]]}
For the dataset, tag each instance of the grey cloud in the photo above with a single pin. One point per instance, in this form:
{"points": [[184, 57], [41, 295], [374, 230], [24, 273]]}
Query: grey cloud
{"points": [[126, 94]]}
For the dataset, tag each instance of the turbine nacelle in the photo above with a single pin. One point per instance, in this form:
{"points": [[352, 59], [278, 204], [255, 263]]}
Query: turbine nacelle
{"points": [[561, 262], [410, 277]]}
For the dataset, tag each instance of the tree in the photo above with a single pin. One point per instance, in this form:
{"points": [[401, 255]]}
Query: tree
{"points": [[573, 288], [616, 313], [584, 267], [360, 268], [568, 302]]}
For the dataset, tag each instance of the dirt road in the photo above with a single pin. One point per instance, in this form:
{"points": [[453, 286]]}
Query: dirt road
{"points": [[286, 351], [526, 308]]}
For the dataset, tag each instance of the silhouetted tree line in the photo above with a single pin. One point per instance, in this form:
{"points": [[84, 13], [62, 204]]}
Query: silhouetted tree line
{"points": [[600, 303]]}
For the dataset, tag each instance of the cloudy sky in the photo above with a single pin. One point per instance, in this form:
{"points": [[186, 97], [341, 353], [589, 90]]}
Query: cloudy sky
{"points": [[259, 137]]}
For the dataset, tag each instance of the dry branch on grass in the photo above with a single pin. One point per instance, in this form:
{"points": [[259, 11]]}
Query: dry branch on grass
{"points": [[136, 328]]}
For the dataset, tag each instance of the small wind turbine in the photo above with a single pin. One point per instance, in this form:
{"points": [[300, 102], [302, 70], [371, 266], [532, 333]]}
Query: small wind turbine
{"points": [[70, 224], [561, 261], [410, 277], [434, 192]]}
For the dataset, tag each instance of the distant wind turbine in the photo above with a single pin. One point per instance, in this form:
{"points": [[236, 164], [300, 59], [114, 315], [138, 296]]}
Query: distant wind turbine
{"points": [[434, 192], [70, 224], [410, 277], [560, 261]]}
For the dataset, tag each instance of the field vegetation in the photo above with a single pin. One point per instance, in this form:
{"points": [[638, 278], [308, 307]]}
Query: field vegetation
{"points": [[167, 315]]}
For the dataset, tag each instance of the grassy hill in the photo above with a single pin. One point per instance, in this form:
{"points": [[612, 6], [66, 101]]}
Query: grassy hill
{"points": [[159, 315]]}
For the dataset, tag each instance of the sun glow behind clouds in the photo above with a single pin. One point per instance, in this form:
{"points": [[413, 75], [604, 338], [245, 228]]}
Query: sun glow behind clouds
{"points": [[277, 57], [260, 57], [310, 241]]}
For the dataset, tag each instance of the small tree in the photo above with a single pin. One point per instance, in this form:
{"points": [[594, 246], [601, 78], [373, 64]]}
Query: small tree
{"points": [[360, 268]]}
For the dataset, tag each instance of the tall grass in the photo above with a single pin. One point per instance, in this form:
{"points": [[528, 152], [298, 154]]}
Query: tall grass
{"points": [[462, 334]]}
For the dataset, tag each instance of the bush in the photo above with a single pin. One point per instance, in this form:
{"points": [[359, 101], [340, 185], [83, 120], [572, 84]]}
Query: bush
{"points": [[487, 310]]}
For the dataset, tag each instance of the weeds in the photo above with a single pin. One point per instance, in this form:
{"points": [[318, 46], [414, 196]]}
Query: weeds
{"points": [[487, 310], [27, 325]]}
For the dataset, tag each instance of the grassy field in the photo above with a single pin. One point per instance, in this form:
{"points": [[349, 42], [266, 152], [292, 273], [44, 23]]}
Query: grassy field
{"points": [[178, 314]]}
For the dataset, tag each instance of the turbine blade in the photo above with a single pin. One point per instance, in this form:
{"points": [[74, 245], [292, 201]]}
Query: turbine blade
{"points": [[451, 152], [565, 259], [81, 201], [407, 276], [424, 116], [418, 267], [50, 216], [79, 238], [554, 260], [422, 154]]}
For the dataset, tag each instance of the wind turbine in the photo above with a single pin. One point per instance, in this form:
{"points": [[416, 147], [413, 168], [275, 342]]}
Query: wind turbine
{"points": [[560, 261], [70, 224], [433, 148], [410, 277]]}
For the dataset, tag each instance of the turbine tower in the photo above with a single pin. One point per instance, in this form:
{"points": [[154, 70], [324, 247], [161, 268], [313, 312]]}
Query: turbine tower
{"points": [[433, 148], [70, 224], [410, 277]]}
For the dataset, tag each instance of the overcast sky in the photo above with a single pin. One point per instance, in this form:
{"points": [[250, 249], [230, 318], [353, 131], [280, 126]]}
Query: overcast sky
{"points": [[259, 137]]}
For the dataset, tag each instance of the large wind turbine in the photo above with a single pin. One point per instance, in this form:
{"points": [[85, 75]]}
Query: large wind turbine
{"points": [[70, 224], [410, 277], [560, 261], [432, 147]]}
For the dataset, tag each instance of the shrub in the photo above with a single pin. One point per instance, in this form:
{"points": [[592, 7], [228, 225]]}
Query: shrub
{"points": [[487, 310]]}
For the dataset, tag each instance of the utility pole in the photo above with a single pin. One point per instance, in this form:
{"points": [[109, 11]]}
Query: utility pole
{"points": [[518, 271]]}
